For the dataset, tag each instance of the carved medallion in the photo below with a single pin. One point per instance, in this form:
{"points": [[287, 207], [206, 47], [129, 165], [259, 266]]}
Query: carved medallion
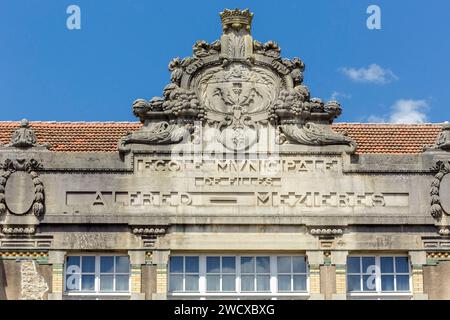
{"points": [[444, 193], [252, 90], [21, 189], [19, 192]]}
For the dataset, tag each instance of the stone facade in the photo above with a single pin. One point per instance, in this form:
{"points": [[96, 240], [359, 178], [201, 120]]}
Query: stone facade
{"points": [[235, 159]]}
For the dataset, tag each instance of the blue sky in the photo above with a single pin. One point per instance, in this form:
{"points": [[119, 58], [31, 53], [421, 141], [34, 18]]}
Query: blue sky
{"points": [[47, 72]]}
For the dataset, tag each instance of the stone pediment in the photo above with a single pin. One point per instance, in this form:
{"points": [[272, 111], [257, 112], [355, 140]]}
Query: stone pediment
{"points": [[233, 94]]}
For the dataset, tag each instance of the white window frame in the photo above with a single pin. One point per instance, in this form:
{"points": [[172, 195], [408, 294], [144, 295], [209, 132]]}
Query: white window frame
{"points": [[97, 274], [273, 293], [221, 273], [378, 293], [184, 273], [292, 274]]}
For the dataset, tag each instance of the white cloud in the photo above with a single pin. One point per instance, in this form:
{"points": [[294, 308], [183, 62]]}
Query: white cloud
{"points": [[372, 74], [335, 95], [404, 111]]}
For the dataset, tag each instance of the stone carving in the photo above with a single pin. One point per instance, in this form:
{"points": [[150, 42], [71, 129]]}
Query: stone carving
{"points": [[327, 231], [314, 134], [18, 230], [33, 285], [442, 169], [237, 87], [148, 230], [442, 141], [21, 189], [24, 137]]}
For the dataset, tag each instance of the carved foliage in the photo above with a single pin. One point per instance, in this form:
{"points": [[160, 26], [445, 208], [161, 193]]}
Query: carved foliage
{"points": [[235, 84], [11, 166], [313, 134], [24, 137], [441, 169]]}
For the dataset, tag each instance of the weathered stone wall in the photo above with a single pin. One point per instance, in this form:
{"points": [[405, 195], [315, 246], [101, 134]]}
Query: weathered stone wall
{"points": [[327, 281], [436, 281], [24, 280], [148, 281]]}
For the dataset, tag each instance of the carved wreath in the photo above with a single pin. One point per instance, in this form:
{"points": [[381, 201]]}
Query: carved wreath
{"points": [[442, 169], [9, 167]]}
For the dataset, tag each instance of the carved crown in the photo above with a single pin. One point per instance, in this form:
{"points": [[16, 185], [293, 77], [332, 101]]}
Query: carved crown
{"points": [[236, 19]]}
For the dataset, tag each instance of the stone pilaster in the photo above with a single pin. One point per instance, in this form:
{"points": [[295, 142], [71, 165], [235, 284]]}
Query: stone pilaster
{"points": [[161, 259], [137, 259], [339, 259], [315, 260], [418, 260], [56, 259]]}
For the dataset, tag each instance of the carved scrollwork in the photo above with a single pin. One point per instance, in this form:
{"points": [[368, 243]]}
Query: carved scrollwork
{"points": [[313, 134], [24, 137], [9, 168], [442, 140], [441, 168], [236, 85]]}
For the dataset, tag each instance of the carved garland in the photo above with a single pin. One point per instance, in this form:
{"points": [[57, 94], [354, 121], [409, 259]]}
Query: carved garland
{"points": [[9, 167], [442, 168]]}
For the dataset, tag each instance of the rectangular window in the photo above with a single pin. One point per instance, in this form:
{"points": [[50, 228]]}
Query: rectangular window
{"points": [[220, 274], [97, 274], [378, 274], [246, 275], [184, 274], [292, 274]]}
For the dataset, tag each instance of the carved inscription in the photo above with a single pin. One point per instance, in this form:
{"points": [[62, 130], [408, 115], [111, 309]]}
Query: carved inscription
{"points": [[238, 181], [302, 165], [311, 199]]}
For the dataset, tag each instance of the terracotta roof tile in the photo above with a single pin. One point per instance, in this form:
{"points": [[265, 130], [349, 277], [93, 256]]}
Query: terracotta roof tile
{"points": [[103, 136]]}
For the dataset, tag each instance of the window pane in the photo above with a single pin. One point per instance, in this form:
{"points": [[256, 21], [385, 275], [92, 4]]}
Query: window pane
{"points": [[299, 283], [284, 283], [191, 283], [368, 265], [387, 264], [402, 283], [191, 264], [73, 261], [213, 264], [106, 283], [122, 283], [88, 264], [213, 283], [353, 265], [228, 265], [176, 283], [284, 264], [263, 283], [176, 264], [228, 283], [262, 264], [369, 283], [247, 283], [72, 282], [88, 283], [401, 265], [106, 264], [122, 264], [387, 283], [299, 264], [247, 265], [353, 283]]}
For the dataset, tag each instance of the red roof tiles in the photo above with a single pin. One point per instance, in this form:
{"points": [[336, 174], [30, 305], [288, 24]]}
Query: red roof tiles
{"points": [[103, 136]]}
